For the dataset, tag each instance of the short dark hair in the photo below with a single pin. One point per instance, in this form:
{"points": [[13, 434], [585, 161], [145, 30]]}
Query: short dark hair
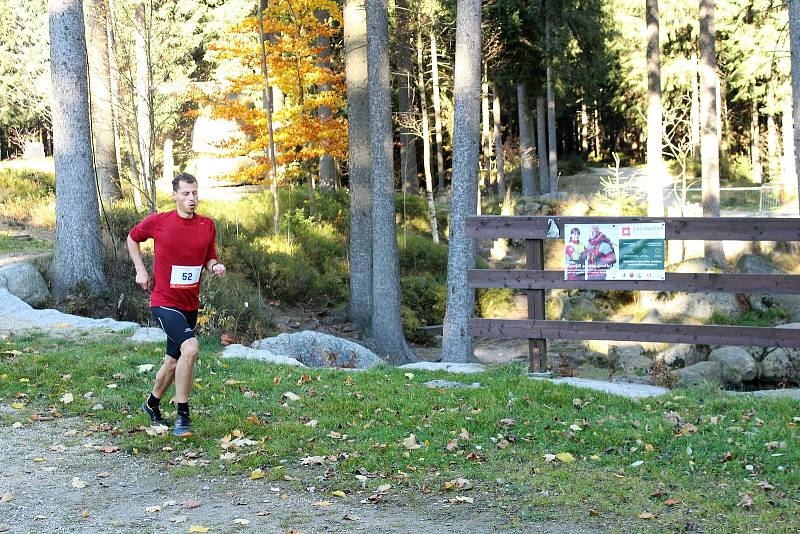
{"points": [[183, 177]]}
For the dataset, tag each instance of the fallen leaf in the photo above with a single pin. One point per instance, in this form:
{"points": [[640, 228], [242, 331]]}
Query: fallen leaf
{"points": [[464, 434], [67, 398], [145, 367], [452, 445], [303, 379], [226, 339], [409, 375], [637, 463], [178, 519], [313, 460], [112, 386], [77, 483], [241, 521], [507, 422], [17, 405], [290, 396], [671, 502], [86, 514], [351, 517], [746, 502], [410, 442], [276, 379], [103, 474], [384, 488], [460, 499], [766, 486], [198, 528], [312, 423], [6, 497], [549, 457], [255, 474], [646, 515], [565, 457], [727, 457], [191, 503], [152, 509], [592, 513], [323, 504], [339, 493], [458, 483]]}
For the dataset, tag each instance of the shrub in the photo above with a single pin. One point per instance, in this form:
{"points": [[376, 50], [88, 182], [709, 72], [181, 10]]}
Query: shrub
{"points": [[422, 255], [494, 302]]}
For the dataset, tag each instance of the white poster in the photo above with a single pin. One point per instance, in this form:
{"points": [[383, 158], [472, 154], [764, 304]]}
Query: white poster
{"points": [[614, 251]]}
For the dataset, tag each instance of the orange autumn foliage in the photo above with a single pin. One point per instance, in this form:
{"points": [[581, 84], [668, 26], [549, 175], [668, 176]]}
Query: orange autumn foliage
{"points": [[301, 132]]}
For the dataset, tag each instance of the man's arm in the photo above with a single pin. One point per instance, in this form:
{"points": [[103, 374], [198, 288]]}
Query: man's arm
{"points": [[135, 252]]}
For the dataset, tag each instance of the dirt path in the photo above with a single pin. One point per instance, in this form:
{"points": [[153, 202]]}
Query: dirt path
{"points": [[53, 479]]}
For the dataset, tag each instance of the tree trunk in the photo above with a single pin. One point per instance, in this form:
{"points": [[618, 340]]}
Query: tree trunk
{"points": [[584, 128], [102, 115], [525, 141], [327, 166], [755, 143], [426, 137], [499, 156], [77, 257], [789, 180], [772, 137], [386, 335], [541, 144], [168, 168], [695, 111], [358, 164], [266, 104], [794, 47], [405, 99], [437, 113], [486, 135], [456, 342], [144, 108], [598, 132], [113, 80], [709, 136], [655, 170], [552, 140]]}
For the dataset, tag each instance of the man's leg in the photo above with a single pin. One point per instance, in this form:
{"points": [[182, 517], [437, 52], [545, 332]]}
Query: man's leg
{"points": [[184, 371], [184, 378], [165, 376]]}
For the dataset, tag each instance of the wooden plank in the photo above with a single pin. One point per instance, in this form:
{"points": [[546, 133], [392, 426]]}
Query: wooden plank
{"points": [[667, 333], [688, 282], [537, 348], [681, 228]]}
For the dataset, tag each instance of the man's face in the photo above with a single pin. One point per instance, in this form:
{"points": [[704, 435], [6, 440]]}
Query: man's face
{"points": [[185, 197]]}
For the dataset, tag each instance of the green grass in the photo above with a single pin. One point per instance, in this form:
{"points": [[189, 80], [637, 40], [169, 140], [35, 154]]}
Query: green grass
{"points": [[770, 317], [362, 418], [11, 245]]}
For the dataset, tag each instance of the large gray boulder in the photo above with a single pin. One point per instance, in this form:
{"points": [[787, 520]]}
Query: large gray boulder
{"points": [[736, 364], [780, 364], [631, 358], [752, 264], [315, 349], [24, 280], [249, 353], [148, 335], [697, 306], [700, 372], [682, 355]]}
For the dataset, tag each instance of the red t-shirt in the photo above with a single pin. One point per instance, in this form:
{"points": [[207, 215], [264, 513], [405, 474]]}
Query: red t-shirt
{"points": [[182, 249]]}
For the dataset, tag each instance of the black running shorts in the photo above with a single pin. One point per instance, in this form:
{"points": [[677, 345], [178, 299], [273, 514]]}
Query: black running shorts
{"points": [[177, 324]]}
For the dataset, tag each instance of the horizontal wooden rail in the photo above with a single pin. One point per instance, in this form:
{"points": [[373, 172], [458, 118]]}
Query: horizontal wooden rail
{"points": [[667, 333], [688, 282], [680, 228]]}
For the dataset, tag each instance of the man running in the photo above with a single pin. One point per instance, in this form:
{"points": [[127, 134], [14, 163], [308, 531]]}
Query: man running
{"points": [[184, 242]]}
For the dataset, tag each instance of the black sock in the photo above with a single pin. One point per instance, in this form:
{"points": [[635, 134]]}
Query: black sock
{"points": [[153, 401], [183, 408]]}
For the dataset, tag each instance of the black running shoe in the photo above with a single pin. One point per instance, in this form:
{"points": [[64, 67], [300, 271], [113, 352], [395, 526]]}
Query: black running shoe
{"points": [[183, 428], [155, 415]]}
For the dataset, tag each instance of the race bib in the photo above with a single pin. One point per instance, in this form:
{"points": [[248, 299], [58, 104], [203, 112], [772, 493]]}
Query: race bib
{"points": [[185, 277]]}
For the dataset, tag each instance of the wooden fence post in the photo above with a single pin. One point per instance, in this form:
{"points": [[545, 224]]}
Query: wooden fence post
{"points": [[537, 348]]}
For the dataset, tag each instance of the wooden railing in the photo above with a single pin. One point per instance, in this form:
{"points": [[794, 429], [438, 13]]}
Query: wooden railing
{"points": [[537, 330]]}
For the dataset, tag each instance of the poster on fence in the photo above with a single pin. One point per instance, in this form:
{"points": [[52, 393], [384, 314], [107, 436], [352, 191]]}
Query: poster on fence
{"points": [[614, 251]]}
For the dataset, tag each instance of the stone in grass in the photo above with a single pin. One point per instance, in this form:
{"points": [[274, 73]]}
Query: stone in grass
{"points": [[780, 364], [447, 384], [315, 349], [457, 368], [700, 372], [736, 364], [24, 281], [249, 353], [148, 335]]}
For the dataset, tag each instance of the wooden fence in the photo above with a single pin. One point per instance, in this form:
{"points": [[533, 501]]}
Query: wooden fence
{"points": [[537, 330]]}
